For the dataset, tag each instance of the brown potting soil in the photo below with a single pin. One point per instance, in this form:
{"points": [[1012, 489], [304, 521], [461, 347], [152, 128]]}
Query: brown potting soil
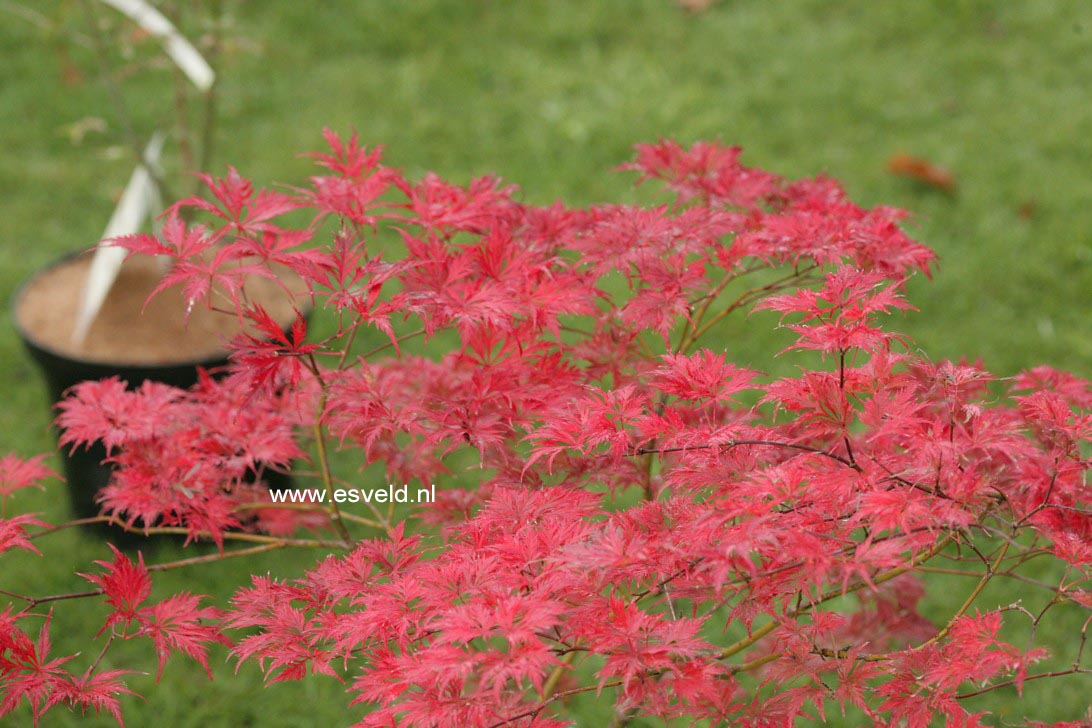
{"points": [[128, 332]]}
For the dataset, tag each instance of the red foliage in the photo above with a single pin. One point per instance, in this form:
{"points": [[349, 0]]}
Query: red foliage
{"points": [[17, 473], [622, 510], [176, 623]]}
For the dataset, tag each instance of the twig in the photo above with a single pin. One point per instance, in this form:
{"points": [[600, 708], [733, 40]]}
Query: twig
{"points": [[551, 683], [208, 126], [323, 459], [737, 443], [179, 531], [118, 101], [991, 570], [35, 601], [761, 632], [530, 713], [1006, 683], [209, 558]]}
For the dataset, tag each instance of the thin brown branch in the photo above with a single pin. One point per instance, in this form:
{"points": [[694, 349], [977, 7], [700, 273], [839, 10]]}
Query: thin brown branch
{"points": [[117, 100], [888, 575], [532, 712], [1037, 676], [738, 443], [210, 558]]}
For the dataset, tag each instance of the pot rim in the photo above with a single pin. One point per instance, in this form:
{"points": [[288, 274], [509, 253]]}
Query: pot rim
{"points": [[212, 360]]}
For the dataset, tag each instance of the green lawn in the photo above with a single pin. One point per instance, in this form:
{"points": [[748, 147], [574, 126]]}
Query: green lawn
{"points": [[551, 95]]}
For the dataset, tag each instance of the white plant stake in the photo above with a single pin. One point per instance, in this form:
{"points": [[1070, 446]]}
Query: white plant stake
{"points": [[181, 51], [140, 198]]}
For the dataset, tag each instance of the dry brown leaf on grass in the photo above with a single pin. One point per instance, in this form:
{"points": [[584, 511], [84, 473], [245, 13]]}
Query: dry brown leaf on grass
{"points": [[922, 170], [71, 73], [79, 129], [1027, 208], [694, 6]]}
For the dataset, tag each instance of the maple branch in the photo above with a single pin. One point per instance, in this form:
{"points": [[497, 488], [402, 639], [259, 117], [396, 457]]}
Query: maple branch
{"points": [[661, 585], [1038, 618], [98, 660], [323, 460], [574, 330], [744, 298], [204, 559], [1037, 676], [35, 601], [42, 22], [69, 524], [341, 360], [736, 443], [212, 55], [267, 505], [1084, 639], [1044, 504], [761, 632], [121, 110], [210, 558], [531, 713], [978, 575], [179, 531], [400, 339], [305, 507], [709, 299], [551, 683], [845, 397], [183, 129], [753, 664], [239, 536], [991, 570], [1074, 509]]}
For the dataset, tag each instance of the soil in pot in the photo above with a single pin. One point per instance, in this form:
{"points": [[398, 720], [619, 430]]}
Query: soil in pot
{"points": [[133, 338], [130, 329]]}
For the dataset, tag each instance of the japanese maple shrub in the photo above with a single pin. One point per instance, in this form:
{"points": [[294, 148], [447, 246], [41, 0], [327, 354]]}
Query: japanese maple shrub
{"points": [[622, 509]]}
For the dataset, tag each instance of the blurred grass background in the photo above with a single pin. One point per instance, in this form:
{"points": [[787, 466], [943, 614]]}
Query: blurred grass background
{"points": [[551, 95]]}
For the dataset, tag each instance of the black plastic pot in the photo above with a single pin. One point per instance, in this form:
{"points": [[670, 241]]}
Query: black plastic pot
{"points": [[85, 471]]}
